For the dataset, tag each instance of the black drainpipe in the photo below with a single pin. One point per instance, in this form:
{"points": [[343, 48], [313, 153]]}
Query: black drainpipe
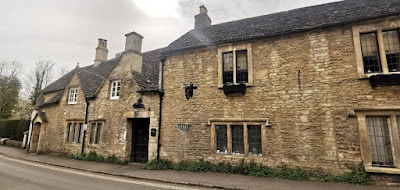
{"points": [[85, 126], [161, 94]]}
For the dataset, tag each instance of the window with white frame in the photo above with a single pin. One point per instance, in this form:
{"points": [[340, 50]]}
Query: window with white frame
{"points": [[237, 138], [95, 133], [379, 137], [73, 96], [115, 89], [74, 131]]}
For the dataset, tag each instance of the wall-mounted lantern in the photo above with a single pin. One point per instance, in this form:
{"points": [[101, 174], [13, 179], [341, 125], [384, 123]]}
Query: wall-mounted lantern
{"points": [[138, 104], [189, 90]]}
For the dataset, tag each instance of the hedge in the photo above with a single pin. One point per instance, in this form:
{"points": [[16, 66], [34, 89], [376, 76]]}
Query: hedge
{"points": [[13, 129]]}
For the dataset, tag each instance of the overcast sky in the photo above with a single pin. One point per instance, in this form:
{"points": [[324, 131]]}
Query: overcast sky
{"points": [[66, 32]]}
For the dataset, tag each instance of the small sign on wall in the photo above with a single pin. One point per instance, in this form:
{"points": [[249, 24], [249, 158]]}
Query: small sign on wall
{"points": [[153, 132], [183, 127]]}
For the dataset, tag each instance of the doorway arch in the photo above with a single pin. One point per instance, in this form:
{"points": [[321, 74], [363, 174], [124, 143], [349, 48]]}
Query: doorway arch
{"points": [[35, 137]]}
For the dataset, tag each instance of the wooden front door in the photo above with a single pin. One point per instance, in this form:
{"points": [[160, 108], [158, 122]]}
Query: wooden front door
{"points": [[140, 140]]}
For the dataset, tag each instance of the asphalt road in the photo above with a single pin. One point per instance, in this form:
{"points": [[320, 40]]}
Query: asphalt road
{"points": [[22, 175]]}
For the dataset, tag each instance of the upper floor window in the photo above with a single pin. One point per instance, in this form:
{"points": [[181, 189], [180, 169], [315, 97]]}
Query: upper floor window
{"points": [[377, 48], [391, 42], [73, 96], [235, 64], [370, 53], [235, 70], [115, 88]]}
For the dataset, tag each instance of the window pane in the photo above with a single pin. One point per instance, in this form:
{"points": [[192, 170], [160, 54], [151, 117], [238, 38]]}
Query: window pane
{"points": [[68, 131], [392, 49], [370, 53], [379, 141], [241, 67], [80, 133], [254, 137], [98, 133], [227, 67], [74, 133], [221, 131], [398, 125], [237, 139], [92, 133]]}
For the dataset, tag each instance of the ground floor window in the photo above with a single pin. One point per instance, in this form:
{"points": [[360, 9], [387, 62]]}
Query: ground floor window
{"points": [[237, 138], [74, 131], [380, 138], [95, 133]]}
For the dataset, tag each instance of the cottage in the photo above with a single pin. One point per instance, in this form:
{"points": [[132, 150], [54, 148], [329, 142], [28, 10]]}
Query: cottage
{"points": [[315, 88]]}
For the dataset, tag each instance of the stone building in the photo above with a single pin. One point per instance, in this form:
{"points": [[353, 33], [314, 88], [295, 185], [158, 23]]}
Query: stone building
{"points": [[315, 88], [109, 98]]}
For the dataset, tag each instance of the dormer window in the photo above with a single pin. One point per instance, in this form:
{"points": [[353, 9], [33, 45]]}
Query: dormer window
{"points": [[73, 96], [115, 88]]}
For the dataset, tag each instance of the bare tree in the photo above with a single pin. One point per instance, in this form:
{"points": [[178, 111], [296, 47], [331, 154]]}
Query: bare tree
{"points": [[62, 71], [10, 87], [41, 76]]}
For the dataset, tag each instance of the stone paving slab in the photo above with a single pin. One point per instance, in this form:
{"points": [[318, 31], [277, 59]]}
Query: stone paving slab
{"points": [[213, 180]]}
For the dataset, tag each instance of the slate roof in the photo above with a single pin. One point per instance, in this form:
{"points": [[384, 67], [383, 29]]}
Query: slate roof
{"points": [[148, 79], [287, 22], [91, 78]]}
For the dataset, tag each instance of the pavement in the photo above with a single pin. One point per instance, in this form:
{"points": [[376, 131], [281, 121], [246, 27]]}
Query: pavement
{"points": [[17, 174], [136, 172]]}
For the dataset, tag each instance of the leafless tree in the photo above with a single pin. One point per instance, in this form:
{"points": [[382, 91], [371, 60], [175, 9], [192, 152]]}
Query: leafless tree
{"points": [[41, 76]]}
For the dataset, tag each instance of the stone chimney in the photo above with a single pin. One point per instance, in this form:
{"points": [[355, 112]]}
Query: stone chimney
{"points": [[202, 19], [133, 42], [101, 52], [132, 56]]}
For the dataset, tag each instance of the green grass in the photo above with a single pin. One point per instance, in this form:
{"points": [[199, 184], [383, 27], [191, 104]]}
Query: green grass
{"points": [[357, 176], [93, 156]]}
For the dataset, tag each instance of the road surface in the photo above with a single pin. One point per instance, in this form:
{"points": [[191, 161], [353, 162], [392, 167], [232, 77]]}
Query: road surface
{"points": [[17, 174]]}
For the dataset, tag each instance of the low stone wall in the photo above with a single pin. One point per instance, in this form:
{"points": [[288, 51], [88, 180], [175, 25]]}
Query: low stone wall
{"points": [[8, 142]]}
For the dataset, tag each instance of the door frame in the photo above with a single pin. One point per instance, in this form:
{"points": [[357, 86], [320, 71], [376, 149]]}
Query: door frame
{"points": [[139, 122]]}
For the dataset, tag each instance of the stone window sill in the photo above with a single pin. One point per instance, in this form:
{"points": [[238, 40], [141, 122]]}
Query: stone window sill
{"points": [[382, 170]]}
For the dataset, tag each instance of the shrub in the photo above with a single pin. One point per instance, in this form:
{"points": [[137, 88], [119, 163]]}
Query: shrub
{"points": [[357, 176], [293, 174], [158, 165], [93, 156], [222, 167], [13, 129]]}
